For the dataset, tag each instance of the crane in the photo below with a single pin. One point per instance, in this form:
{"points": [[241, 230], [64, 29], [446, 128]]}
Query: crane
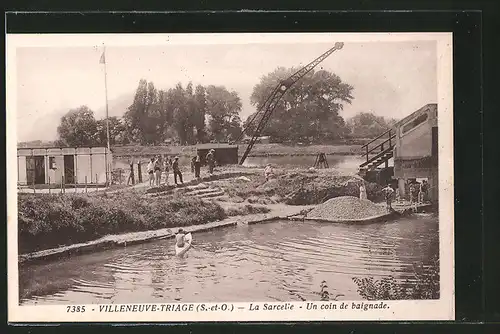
{"points": [[267, 108]]}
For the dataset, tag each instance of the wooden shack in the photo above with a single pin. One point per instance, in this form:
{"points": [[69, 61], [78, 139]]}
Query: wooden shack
{"points": [[416, 149], [225, 154], [68, 165]]}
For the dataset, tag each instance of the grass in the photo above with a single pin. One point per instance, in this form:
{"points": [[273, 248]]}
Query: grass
{"points": [[57, 220], [297, 187]]}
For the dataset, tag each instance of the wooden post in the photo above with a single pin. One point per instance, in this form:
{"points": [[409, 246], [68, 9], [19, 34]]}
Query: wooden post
{"points": [[139, 172], [366, 152], [62, 182], [34, 191], [49, 184], [85, 183], [96, 184]]}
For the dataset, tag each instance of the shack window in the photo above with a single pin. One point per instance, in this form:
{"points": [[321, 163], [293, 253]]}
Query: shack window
{"points": [[52, 163], [414, 123]]}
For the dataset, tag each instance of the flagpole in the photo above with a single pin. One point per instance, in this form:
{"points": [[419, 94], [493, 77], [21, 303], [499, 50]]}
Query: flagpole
{"points": [[106, 94], [107, 113]]}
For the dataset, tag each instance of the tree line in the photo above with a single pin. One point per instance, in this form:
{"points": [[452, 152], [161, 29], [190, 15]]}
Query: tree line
{"points": [[188, 115]]}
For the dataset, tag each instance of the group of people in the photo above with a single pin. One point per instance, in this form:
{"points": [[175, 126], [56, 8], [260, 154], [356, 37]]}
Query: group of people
{"points": [[159, 165], [418, 191]]}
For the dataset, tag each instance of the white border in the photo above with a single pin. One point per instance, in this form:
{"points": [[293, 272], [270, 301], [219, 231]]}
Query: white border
{"points": [[442, 309]]}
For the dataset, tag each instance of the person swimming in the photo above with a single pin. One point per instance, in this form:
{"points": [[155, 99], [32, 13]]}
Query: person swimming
{"points": [[179, 238]]}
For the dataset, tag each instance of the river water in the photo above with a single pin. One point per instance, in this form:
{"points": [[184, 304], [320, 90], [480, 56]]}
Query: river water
{"points": [[349, 163], [278, 261]]}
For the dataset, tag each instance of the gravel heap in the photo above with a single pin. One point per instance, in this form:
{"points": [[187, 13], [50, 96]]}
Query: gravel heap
{"points": [[346, 208]]}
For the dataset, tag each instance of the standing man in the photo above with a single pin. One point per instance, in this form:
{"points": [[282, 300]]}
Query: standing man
{"points": [[177, 171], [388, 192], [197, 166], [166, 167], [211, 161], [151, 166], [131, 173], [157, 170]]}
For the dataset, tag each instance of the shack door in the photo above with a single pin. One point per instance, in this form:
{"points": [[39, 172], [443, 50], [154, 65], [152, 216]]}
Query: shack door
{"points": [[35, 169], [69, 169]]}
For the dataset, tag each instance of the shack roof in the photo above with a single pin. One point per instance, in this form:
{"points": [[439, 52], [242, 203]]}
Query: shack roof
{"points": [[215, 145]]}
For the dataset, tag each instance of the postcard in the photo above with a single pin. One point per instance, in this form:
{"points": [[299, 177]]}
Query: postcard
{"points": [[230, 177]]}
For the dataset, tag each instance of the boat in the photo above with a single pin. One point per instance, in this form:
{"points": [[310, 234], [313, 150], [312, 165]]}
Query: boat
{"points": [[180, 251]]}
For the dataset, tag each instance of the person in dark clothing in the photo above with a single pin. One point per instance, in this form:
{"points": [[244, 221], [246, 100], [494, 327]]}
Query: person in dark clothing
{"points": [[177, 171], [197, 166], [211, 161], [131, 174]]}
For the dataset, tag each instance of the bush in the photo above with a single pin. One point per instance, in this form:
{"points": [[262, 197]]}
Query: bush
{"points": [[246, 210], [423, 285], [57, 220]]}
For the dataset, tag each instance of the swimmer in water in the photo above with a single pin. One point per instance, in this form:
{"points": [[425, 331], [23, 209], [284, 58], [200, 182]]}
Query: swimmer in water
{"points": [[179, 238]]}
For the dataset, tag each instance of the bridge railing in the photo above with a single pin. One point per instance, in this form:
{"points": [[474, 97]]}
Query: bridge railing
{"points": [[375, 146]]}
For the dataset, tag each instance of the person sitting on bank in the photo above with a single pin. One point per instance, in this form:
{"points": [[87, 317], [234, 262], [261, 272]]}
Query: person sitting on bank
{"points": [[150, 169], [388, 192], [177, 171], [211, 161]]}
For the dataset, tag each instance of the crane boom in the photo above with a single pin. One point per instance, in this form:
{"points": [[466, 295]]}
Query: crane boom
{"points": [[272, 101]]}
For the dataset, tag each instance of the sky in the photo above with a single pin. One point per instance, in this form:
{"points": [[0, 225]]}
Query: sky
{"points": [[390, 79]]}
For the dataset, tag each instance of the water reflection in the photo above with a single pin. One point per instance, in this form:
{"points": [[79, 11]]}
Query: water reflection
{"points": [[340, 162], [276, 261]]}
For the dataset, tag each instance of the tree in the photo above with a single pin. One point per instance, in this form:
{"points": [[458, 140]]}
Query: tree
{"points": [[78, 127], [181, 117], [308, 111], [368, 125], [223, 108], [200, 113], [116, 132], [142, 116]]}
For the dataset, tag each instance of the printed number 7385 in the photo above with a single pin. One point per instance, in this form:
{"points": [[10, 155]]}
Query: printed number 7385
{"points": [[73, 309]]}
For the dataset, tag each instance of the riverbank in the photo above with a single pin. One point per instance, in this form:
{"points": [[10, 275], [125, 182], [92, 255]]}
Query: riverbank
{"points": [[278, 211], [75, 223], [52, 221]]}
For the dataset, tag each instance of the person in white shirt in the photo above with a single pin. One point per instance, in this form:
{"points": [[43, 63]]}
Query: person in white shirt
{"points": [[362, 191], [268, 172], [150, 168], [388, 191]]}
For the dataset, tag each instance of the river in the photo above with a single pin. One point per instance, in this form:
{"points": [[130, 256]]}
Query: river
{"points": [[278, 261], [348, 163]]}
